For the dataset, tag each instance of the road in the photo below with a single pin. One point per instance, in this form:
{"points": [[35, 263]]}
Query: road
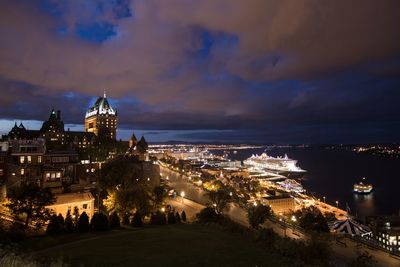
{"points": [[195, 199]]}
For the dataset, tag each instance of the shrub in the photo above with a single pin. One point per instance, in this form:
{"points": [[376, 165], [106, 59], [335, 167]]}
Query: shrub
{"points": [[171, 218], [183, 216], [53, 227], [83, 223], [158, 218], [177, 217], [137, 220], [69, 223], [207, 214], [99, 222], [114, 220], [125, 219], [61, 222]]}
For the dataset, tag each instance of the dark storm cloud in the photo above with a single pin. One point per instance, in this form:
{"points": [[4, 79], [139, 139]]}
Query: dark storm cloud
{"points": [[268, 70]]}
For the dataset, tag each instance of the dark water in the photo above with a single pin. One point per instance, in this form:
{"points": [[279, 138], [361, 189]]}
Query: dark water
{"points": [[332, 173]]}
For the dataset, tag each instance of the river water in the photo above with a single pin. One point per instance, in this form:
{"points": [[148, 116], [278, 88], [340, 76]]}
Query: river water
{"points": [[332, 173]]}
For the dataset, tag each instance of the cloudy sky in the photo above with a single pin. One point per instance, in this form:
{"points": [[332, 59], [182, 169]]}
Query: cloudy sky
{"points": [[212, 70]]}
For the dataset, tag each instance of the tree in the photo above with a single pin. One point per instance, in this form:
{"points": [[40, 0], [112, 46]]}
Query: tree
{"points": [[137, 220], [219, 199], [257, 215], [114, 220], [177, 217], [83, 223], [69, 223], [171, 218], [99, 222], [159, 194], [30, 201], [312, 219], [183, 216], [75, 216]]}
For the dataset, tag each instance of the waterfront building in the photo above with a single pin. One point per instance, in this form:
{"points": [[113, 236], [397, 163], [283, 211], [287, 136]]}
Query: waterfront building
{"points": [[280, 203], [101, 119], [386, 232]]}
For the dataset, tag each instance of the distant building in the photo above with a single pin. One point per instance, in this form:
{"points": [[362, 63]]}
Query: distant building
{"points": [[280, 203], [101, 119], [386, 232], [54, 133], [67, 202]]}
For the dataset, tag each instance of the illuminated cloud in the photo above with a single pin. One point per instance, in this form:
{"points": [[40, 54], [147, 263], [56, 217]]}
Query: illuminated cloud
{"points": [[271, 70]]}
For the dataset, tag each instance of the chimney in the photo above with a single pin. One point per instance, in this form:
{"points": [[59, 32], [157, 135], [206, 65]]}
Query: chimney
{"points": [[59, 114]]}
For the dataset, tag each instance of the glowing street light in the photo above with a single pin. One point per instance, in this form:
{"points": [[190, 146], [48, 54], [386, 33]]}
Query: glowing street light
{"points": [[337, 204], [182, 195], [163, 209], [324, 199], [294, 219]]}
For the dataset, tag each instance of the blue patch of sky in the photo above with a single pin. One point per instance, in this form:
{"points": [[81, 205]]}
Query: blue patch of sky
{"points": [[54, 8], [212, 39], [97, 32]]}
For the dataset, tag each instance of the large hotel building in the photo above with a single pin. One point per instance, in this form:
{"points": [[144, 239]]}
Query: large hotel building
{"points": [[101, 119]]}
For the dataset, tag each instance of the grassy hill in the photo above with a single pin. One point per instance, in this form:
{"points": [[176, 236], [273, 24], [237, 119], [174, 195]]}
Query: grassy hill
{"points": [[172, 245]]}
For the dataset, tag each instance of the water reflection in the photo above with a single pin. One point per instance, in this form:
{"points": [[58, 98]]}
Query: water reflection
{"points": [[365, 204]]}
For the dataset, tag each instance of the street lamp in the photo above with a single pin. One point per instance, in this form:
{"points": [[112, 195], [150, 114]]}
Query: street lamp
{"points": [[324, 199], [337, 204], [182, 195]]}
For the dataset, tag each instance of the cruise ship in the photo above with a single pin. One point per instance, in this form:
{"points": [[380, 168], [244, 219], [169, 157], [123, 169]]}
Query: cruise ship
{"points": [[362, 187], [280, 165]]}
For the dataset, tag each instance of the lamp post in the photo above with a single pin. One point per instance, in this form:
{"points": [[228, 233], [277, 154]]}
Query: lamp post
{"points": [[337, 204], [324, 199], [182, 195]]}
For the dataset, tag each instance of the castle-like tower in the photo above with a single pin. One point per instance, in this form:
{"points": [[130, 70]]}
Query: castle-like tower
{"points": [[101, 119]]}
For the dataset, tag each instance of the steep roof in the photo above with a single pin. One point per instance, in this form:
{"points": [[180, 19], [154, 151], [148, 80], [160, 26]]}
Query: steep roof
{"points": [[101, 106]]}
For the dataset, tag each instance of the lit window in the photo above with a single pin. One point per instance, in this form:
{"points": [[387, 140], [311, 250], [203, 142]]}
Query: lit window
{"points": [[1, 172], [22, 159], [58, 175], [47, 175], [22, 171], [39, 159], [29, 159]]}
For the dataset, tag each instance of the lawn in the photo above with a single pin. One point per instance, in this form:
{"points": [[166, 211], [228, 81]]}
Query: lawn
{"points": [[172, 245]]}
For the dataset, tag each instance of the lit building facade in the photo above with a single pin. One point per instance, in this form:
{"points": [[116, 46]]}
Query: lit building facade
{"points": [[101, 119]]}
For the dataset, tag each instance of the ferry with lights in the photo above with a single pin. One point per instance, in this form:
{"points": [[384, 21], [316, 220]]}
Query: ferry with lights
{"points": [[362, 187]]}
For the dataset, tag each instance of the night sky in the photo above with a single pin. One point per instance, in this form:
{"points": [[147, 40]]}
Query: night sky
{"points": [[211, 70]]}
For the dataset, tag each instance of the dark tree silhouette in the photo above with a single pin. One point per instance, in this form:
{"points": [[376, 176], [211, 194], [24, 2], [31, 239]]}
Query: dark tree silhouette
{"points": [[114, 220], [30, 201], [83, 223], [257, 215]]}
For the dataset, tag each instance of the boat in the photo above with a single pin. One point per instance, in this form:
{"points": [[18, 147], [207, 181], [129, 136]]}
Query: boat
{"points": [[362, 187], [292, 185], [279, 165]]}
